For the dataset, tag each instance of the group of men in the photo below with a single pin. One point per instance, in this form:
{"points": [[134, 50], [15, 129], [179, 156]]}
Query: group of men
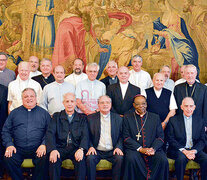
{"points": [[125, 117]]}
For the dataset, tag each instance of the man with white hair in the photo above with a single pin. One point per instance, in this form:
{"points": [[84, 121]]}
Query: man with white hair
{"points": [[138, 77], [78, 74], [16, 87], [88, 91], [112, 69], [34, 65], [169, 83], [193, 89]]}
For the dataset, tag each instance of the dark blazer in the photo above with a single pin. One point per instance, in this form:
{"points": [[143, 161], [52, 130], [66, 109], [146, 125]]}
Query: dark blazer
{"points": [[199, 97], [177, 134], [3, 105], [58, 129], [106, 80], [95, 130], [120, 105]]}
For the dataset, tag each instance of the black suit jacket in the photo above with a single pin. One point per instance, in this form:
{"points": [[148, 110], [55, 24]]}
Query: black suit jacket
{"points": [[3, 105], [199, 97], [94, 125], [106, 81], [120, 105], [176, 134], [58, 129]]}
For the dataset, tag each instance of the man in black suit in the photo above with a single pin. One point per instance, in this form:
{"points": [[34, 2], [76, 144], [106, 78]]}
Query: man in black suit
{"points": [[122, 93], [67, 137], [111, 69], [46, 77], [105, 130], [3, 116], [194, 89], [186, 139]]}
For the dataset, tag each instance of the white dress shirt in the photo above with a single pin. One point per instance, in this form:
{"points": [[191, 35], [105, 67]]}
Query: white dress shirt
{"points": [[124, 89], [75, 79], [169, 84], [105, 141]]}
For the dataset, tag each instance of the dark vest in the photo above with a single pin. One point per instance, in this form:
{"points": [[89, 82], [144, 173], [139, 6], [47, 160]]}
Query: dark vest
{"points": [[159, 105]]}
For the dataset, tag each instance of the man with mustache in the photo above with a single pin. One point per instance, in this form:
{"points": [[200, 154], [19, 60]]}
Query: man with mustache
{"points": [[34, 65], [77, 74]]}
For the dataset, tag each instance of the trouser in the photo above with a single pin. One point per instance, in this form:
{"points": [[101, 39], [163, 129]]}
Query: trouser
{"points": [[93, 160], [13, 164], [67, 153], [2, 151]]}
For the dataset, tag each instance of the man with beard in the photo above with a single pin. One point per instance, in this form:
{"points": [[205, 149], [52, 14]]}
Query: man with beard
{"points": [[77, 74], [143, 141], [46, 77]]}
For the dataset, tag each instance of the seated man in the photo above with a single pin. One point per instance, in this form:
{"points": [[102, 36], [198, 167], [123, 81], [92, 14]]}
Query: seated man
{"points": [[105, 129], [122, 93], [67, 137], [186, 139], [23, 135], [111, 69], [143, 140]]}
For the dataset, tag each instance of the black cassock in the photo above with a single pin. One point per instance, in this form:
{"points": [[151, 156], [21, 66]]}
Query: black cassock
{"points": [[138, 165]]}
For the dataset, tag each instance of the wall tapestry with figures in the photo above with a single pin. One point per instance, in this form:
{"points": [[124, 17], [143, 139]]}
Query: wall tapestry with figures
{"points": [[163, 32]]}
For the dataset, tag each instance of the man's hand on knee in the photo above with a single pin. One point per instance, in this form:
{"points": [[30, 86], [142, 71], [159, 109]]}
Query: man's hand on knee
{"points": [[54, 155], [91, 151], [79, 155], [41, 150], [9, 151]]}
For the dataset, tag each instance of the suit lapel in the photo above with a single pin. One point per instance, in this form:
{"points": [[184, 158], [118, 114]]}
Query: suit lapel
{"points": [[118, 90], [194, 127], [127, 91], [98, 127], [196, 93], [113, 128], [182, 125]]}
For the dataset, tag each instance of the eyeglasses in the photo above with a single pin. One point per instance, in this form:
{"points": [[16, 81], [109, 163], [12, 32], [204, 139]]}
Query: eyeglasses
{"points": [[142, 104]]}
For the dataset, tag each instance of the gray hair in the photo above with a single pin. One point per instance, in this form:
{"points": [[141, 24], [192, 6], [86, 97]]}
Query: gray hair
{"points": [[135, 57], [66, 94], [27, 89], [104, 96], [112, 61], [188, 98], [190, 66], [45, 59], [165, 66], [3, 53], [92, 64]]}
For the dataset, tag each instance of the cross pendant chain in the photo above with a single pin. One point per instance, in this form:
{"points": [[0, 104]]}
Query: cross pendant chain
{"points": [[138, 136]]}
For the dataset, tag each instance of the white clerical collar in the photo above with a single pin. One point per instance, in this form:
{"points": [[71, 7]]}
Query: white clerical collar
{"points": [[126, 84], [29, 110], [1, 71], [140, 115]]}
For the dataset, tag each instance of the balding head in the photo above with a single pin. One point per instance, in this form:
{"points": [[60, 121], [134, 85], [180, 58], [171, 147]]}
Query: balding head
{"points": [[23, 70], [34, 63], [123, 74], [69, 102], [112, 68], [158, 81], [188, 106], [59, 74]]}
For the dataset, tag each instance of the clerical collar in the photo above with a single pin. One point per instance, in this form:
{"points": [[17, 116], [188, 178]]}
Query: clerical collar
{"points": [[28, 109], [190, 85], [141, 116], [1, 71]]}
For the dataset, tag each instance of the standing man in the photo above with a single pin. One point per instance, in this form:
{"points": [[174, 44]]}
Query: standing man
{"points": [[52, 96], [169, 83], [46, 77], [143, 141], [3, 116], [138, 77], [182, 79], [186, 137], [23, 136], [67, 138], [6, 75], [160, 100], [78, 74], [105, 129], [34, 65], [191, 88], [122, 93], [111, 69], [17, 86], [89, 90]]}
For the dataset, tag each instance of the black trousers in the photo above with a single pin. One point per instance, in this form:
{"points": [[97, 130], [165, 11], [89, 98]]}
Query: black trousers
{"points": [[181, 160], [93, 160], [2, 151], [13, 164], [67, 153]]}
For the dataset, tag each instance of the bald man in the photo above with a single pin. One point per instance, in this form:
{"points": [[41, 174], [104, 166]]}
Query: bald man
{"points": [[34, 65], [16, 87], [186, 137], [122, 93], [53, 93]]}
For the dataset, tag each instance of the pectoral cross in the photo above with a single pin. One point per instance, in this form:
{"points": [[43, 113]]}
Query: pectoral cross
{"points": [[138, 136]]}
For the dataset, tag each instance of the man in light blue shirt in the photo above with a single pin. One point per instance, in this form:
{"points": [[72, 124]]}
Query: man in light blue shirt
{"points": [[186, 137], [52, 96]]}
